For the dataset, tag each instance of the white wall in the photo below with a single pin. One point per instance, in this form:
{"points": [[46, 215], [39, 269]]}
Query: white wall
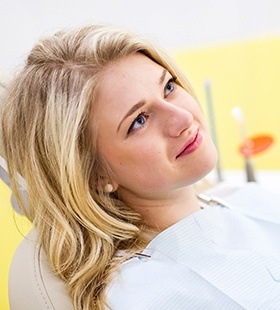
{"points": [[174, 23]]}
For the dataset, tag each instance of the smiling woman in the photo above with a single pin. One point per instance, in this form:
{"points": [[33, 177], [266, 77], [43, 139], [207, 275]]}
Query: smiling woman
{"points": [[110, 139]]}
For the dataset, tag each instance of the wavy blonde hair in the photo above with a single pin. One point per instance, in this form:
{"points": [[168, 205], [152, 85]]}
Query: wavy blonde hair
{"points": [[47, 140]]}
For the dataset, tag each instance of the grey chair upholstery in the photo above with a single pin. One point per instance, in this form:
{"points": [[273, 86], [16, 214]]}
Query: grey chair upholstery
{"points": [[32, 283]]}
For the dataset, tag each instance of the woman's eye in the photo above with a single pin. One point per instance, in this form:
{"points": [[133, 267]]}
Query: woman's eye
{"points": [[138, 122], [169, 87]]}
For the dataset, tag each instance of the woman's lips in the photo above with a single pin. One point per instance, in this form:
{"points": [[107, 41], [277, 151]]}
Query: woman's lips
{"points": [[191, 145]]}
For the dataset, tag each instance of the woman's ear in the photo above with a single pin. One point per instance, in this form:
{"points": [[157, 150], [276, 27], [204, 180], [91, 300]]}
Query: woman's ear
{"points": [[105, 181]]}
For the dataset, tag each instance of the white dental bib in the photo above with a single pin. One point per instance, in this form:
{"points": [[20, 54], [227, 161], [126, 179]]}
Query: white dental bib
{"points": [[216, 258]]}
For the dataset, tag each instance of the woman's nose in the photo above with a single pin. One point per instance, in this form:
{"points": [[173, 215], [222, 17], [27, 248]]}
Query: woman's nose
{"points": [[177, 120]]}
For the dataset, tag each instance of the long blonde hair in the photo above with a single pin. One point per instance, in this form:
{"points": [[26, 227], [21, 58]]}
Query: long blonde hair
{"points": [[46, 139]]}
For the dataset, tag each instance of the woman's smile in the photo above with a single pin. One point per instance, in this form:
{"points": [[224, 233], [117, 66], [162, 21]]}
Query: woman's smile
{"points": [[191, 145]]}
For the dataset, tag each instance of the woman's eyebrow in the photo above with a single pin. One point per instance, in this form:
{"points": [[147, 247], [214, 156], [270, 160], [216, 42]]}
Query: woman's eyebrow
{"points": [[142, 102], [131, 111], [162, 77]]}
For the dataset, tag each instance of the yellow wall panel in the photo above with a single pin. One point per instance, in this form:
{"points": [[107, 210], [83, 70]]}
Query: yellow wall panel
{"points": [[246, 74]]}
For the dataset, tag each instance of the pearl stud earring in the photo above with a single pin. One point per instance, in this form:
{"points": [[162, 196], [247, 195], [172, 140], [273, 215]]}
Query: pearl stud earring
{"points": [[108, 188]]}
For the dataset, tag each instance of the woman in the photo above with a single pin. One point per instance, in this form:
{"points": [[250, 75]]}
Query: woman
{"points": [[110, 139]]}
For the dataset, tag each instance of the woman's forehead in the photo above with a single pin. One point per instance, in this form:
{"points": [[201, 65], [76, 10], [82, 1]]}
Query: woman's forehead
{"points": [[129, 78], [133, 63], [124, 83]]}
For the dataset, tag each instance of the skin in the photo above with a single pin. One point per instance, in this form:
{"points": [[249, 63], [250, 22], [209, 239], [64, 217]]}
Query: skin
{"points": [[144, 121]]}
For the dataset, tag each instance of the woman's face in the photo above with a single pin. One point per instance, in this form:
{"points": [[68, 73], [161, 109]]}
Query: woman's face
{"points": [[151, 131]]}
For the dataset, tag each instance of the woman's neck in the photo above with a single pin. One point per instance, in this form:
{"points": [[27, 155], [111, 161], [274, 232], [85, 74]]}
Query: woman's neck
{"points": [[160, 214]]}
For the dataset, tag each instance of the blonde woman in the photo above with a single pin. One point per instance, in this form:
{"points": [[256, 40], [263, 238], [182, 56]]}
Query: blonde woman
{"points": [[109, 137]]}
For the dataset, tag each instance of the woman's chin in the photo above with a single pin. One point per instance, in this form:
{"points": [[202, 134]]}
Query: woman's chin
{"points": [[208, 164]]}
